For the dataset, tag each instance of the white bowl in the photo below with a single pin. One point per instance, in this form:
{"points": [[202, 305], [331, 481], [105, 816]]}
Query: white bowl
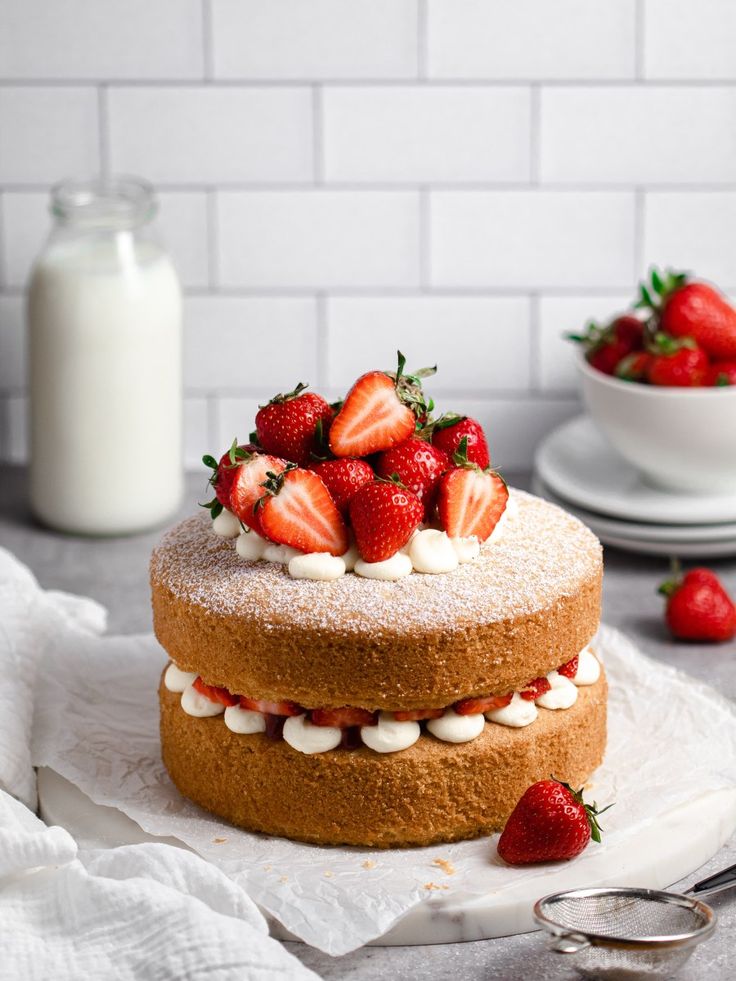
{"points": [[678, 438]]}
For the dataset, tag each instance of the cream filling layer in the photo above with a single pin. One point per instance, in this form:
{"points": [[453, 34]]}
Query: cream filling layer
{"points": [[391, 735]]}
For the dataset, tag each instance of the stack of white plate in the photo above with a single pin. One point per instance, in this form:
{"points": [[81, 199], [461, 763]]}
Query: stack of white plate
{"points": [[576, 468]]}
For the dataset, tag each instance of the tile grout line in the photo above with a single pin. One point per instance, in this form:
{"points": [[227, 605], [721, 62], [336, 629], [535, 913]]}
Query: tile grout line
{"points": [[318, 149], [3, 255], [386, 82]]}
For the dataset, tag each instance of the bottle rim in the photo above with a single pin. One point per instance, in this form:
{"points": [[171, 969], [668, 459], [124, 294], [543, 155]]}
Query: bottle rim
{"points": [[106, 202]]}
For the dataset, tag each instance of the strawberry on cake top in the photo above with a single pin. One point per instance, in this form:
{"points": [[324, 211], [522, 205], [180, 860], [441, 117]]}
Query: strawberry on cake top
{"points": [[372, 485]]}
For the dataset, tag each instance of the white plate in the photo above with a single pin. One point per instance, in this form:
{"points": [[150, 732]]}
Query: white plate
{"points": [[576, 462], [647, 539]]}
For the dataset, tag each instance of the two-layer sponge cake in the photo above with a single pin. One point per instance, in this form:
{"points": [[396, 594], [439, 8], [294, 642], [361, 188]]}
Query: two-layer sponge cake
{"points": [[372, 711]]}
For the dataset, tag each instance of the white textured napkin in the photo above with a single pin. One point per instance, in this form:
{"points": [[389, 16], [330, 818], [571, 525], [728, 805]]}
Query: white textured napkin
{"points": [[132, 912]]}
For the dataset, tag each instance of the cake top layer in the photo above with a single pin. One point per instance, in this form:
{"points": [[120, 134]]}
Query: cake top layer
{"points": [[544, 554]]}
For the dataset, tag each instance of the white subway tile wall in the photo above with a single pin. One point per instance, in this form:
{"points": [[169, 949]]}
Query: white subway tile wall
{"points": [[465, 179]]}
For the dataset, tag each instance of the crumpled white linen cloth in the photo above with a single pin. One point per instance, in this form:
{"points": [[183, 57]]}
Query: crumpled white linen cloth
{"points": [[132, 912]]}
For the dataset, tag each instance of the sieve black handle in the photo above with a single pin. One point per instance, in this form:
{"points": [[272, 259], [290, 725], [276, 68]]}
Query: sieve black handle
{"points": [[725, 879]]}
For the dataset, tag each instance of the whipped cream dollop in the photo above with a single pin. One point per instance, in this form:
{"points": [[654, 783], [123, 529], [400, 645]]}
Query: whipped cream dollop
{"points": [[517, 714], [350, 557], [395, 567], [226, 525], [562, 695], [589, 668], [390, 736], [250, 546], [317, 565], [243, 721], [454, 728], [466, 549], [177, 680], [432, 552], [198, 705], [305, 737], [282, 554]]}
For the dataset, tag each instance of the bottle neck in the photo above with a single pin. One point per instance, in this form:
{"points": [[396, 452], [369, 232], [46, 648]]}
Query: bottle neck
{"points": [[114, 205]]}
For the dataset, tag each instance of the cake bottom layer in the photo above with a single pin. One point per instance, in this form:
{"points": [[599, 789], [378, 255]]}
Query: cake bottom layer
{"points": [[430, 793]]}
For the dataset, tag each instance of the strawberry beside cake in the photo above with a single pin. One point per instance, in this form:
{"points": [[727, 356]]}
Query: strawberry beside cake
{"points": [[372, 640]]}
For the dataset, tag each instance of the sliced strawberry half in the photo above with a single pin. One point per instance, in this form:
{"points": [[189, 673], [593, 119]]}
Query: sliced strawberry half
{"points": [[473, 706], [343, 718], [470, 501], [380, 411], [536, 688], [416, 715], [215, 694], [570, 668], [297, 510], [247, 487], [270, 708]]}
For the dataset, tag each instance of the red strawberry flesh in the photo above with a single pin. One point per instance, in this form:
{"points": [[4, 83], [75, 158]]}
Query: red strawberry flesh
{"points": [[214, 693], [301, 514], [372, 418]]}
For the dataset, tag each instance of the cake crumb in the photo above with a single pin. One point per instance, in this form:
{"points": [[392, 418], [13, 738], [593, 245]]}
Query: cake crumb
{"points": [[431, 886], [447, 867], [219, 841], [369, 864], [267, 868], [328, 874], [284, 878]]}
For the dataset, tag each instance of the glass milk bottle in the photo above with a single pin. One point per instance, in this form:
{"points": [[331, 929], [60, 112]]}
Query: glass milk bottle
{"points": [[104, 325]]}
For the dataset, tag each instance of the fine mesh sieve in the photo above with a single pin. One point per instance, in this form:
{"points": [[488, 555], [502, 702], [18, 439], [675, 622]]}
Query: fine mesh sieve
{"points": [[624, 933]]}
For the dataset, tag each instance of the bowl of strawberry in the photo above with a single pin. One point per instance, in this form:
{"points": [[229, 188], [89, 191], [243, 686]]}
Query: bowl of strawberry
{"points": [[660, 382]]}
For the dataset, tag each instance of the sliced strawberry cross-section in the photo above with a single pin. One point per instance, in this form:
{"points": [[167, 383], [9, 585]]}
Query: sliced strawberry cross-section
{"points": [[215, 694], [379, 411], [270, 708], [342, 718], [417, 715], [535, 689], [297, 510], [486, 703], [470, 501], [570, 668], [247, 487]]}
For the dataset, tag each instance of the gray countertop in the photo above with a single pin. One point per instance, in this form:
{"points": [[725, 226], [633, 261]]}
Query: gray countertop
{"points": [[114, 572]]}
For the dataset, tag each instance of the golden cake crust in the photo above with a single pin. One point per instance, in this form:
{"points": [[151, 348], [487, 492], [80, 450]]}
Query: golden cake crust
{"points": [[529, 603], [432, 792]]}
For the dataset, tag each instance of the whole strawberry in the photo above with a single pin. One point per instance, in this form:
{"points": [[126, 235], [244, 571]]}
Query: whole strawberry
{"points": [[383, 515], [685, 308], [721, 373], [418, 465], [677, 362], [293, 426], [605, 345], [224, 472], [343, 478], [450, 428], [550, 822], [698, 607], [634, 367]]}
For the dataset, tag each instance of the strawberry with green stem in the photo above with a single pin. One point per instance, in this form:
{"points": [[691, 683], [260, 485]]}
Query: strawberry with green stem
{"points": [[676, 362], [606, 344], [470, 500], [550, 822], [295, 509], [698, 607], [384, 514], [683, 307], [224, 472], [293, 426], [381, 410]]}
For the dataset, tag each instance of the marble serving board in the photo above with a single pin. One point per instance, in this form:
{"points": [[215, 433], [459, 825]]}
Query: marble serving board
{"points": [[679, 842]]}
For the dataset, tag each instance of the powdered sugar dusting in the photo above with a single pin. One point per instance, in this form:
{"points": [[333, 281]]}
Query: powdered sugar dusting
{"points": [[544, 554]]}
